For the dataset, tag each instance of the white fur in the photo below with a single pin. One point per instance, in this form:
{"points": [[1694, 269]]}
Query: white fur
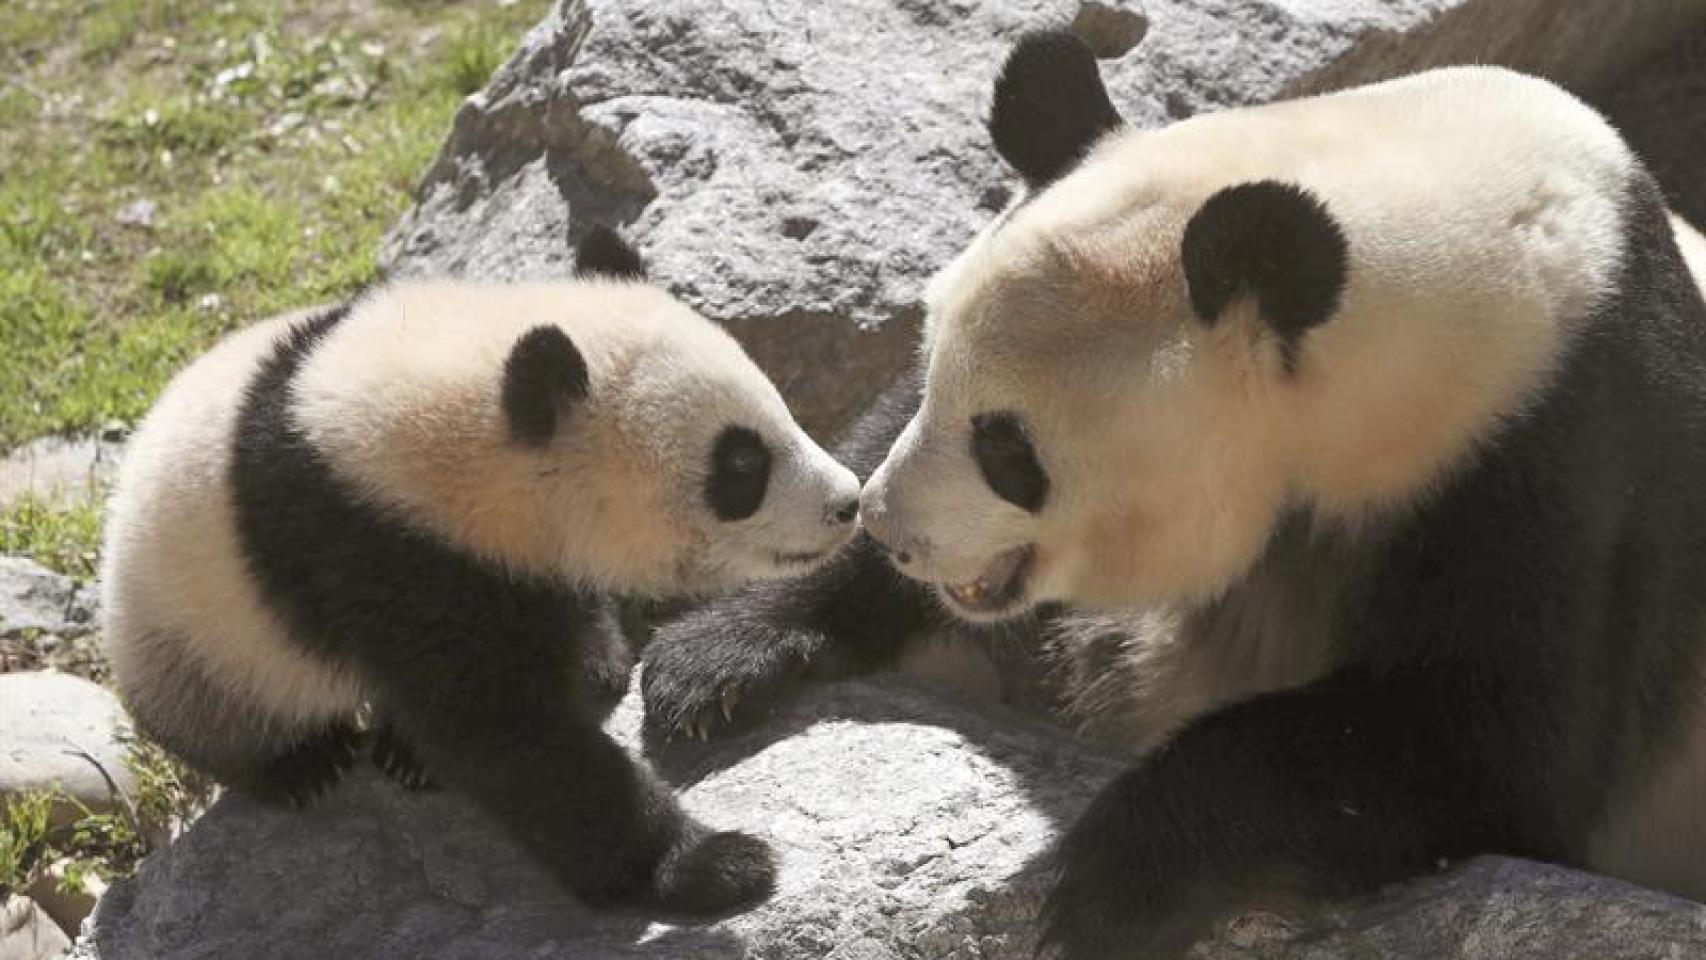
{"points": [[403, 400], [1468, 265], [616, 497], [174, 583]]}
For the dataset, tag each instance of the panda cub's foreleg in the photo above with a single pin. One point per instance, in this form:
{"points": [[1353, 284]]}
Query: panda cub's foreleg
{"points": [[506, 731], [1329, 790], [308, 769], [394, 757], [743, 652]]}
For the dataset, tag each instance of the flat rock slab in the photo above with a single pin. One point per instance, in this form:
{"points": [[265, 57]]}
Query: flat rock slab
{"points": [[27, 932], [909, 826], [60, 730], [797, 170]]}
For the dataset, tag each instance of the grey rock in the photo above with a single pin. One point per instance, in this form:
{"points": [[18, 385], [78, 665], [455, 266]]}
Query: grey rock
{"points": [[60, 730], [36, 599], [28, 933], [797, 170], [59, 469], [908, 826]]}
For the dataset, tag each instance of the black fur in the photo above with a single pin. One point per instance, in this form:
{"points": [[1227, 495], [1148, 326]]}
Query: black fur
{"points": [[474, 666], [544, 373], [739, 474], [1049, 106], [1008, 461], [1524, 647], [1272, 241], [748, 649], [393, 755], [603, 253], [306, 771]]}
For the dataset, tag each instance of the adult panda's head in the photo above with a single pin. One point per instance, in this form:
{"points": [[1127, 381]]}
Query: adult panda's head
{"points": [[598, 428], [1176, 336]]}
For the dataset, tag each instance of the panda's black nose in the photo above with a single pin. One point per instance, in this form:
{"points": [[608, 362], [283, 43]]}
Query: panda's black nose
{"points": [[846, 512]]}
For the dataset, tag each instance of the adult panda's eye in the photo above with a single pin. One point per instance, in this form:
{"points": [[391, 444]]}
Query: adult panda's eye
{"points": [[739, 474], [1007, 459]]}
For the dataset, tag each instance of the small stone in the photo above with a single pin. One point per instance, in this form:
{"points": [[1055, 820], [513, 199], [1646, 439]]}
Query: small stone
{"points": [[36, 599], [27, 932], [210, 302], [57, 729], [137, 213]]}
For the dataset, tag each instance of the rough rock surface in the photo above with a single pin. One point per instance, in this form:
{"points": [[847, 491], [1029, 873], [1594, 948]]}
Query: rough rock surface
{"points": [[797, 170], [909, 826], [46, 620], [59, 729], [35, 599], [28, 933]]}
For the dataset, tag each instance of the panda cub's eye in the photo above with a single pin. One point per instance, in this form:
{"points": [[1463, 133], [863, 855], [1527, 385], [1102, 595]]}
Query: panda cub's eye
{"points": [[1008, 461], [739, 474]]}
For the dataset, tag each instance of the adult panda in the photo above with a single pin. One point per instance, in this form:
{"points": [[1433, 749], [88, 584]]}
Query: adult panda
{"points": [[1374, 423], [407, 499]]}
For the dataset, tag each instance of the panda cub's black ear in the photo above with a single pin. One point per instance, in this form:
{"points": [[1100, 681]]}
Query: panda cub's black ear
{"points": [[1272, 241], [603, 253], [1049, 106], [544, 374]]}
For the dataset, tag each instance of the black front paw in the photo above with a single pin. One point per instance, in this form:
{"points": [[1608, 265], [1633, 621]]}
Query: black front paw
{"points": [[605, 658], [711, 873], [1127, 886], [704, 671], [393, 755]]}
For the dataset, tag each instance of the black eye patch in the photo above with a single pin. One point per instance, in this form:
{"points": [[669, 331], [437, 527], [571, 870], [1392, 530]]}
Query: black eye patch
{"points": [[740, 473], [1008, 461]]}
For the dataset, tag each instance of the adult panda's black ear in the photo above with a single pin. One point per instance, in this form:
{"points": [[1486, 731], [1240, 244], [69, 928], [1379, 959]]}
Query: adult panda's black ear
{"points": [[1049, 106], [544, 374], [1272, 241], [603, 253]]}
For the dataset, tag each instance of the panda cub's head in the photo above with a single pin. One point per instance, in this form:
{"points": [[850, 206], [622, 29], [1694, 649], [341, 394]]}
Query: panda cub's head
{"points": [[1177, 336], [598, 429]]}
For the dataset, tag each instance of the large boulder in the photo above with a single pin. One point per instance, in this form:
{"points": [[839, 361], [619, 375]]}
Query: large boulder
{"points": [[797, 170], [908, 825]]}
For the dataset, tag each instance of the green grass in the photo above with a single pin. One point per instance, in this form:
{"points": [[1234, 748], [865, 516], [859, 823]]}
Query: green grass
{"points": [[277, 141], [60, 536], [108, 845]]}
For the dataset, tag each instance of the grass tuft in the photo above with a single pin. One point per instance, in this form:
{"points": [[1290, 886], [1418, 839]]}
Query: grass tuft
{"points": [[276, 142], [62, 537]]}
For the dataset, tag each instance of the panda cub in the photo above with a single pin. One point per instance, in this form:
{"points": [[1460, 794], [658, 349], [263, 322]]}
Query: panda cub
{"points": [[1374, 421], [408, 500]]}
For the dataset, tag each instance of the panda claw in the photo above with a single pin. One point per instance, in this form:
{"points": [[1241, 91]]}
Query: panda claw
{"points": [[731, 695]]}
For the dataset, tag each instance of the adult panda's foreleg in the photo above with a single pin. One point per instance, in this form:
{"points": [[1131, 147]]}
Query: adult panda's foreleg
{"points": [[743, 652], [505, 731], [1329, 790]]}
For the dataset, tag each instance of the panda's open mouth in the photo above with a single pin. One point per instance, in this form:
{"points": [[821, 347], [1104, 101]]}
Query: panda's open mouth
{"points": [[799, 559], [996, 590]]}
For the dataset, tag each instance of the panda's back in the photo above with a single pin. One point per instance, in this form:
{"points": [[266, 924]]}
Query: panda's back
{"points": [[179, 601]]}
